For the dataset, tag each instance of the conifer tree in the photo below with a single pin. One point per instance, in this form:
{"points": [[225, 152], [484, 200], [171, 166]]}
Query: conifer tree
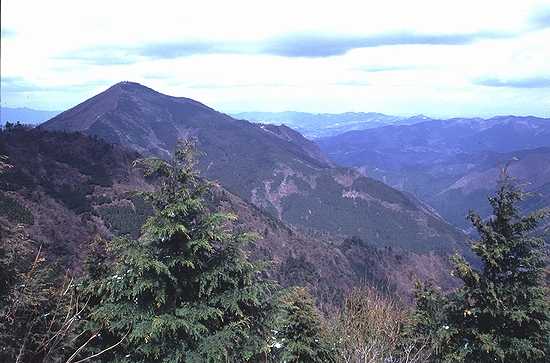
{"points": [[299, 336], [185, 291], [427, 327], [502, 311]]}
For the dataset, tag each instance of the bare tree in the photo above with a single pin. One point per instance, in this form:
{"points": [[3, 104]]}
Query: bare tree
{"points": [[370, 328]]}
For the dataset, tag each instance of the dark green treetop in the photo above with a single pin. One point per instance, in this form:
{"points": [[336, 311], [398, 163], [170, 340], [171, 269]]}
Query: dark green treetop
{"points": [[299, 336], [185, 291], [502, 311]]}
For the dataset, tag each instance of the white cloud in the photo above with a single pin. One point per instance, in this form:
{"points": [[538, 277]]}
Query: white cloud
{"points": [[56, 45]]}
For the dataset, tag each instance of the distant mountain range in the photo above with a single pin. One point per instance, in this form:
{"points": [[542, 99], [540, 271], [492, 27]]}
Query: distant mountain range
{"points": [[313, 125], [451, 164], [272, 167], [530, 168], [24, 115]]}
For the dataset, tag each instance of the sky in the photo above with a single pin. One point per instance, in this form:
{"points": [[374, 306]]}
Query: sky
{"points": [[439, 58]]}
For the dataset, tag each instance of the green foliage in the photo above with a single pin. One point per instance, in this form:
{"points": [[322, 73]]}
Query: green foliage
{"points": [[324, 209], [13, 211], [299, 337], [502, 311], [427, 328], [126, 219], [185, 291]]}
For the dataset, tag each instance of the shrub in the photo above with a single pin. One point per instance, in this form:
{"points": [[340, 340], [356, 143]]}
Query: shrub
{"points": [[370, 328]]}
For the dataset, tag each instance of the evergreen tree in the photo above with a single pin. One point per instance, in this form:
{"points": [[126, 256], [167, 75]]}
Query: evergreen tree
{"points": [[427, 328], [502, 311], [299, 336], [185, 291]]}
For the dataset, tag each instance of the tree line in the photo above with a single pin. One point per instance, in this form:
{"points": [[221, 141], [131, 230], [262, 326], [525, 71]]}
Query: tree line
{"points": [[186, 291]]}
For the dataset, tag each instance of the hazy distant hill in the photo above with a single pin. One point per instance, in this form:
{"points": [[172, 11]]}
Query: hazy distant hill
{"points": [[272, 167], [451, 164], [315, 125], [531, 168], [24, 115]]}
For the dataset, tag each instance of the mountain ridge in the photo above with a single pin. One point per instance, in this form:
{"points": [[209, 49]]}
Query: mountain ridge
{"points": [[67, 189], [272, 167]]}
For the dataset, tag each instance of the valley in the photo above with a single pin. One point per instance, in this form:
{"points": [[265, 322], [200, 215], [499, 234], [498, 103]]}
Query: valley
{"points": [[452, 165], [326, 210]]}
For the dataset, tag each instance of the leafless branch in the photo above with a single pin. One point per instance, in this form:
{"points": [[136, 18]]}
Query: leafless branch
{"points": [[97, 354]]}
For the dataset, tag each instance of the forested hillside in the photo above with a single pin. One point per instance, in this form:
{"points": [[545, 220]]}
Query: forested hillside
{"points": [[274, 168], [94, 270], [66, 189]]}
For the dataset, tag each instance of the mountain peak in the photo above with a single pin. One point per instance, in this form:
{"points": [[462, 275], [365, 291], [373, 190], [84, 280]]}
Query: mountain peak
{"points": [[132, 86], [273, 167], [127, 104], [151, 122], [129, 87]]}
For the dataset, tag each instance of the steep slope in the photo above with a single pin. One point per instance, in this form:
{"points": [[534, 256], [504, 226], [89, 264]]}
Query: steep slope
{"points": [[272, 167], [64, 189], [451, 164]]}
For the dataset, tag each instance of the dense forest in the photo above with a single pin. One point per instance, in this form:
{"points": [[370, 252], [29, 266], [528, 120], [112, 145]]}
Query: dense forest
{"points": [[185, 289]]}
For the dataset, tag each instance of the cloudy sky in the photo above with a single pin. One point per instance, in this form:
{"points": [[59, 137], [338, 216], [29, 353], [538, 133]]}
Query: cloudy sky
{"points": [[439, 58]]}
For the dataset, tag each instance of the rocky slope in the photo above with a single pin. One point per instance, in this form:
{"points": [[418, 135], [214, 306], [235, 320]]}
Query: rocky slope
{"points": [[272, 167]]}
